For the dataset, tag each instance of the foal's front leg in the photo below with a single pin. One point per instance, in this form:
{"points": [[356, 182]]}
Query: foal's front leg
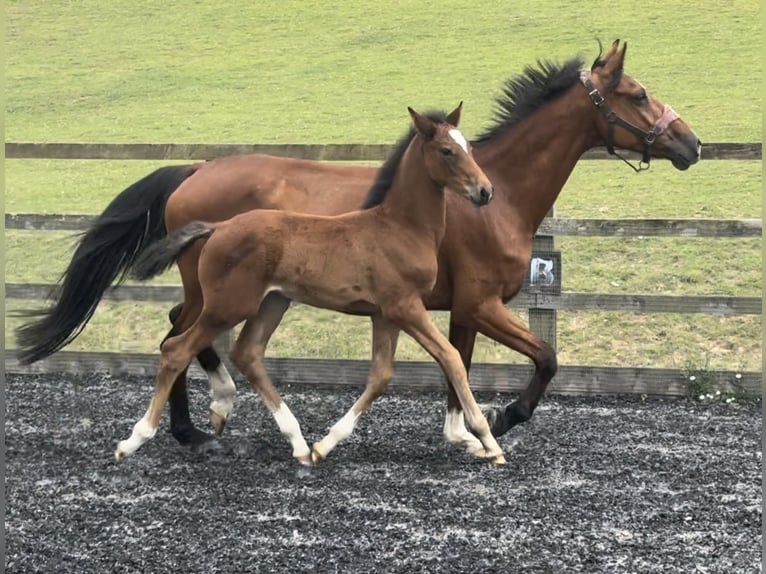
{"points": [[414, 319], [463, 339], [384, 338]]}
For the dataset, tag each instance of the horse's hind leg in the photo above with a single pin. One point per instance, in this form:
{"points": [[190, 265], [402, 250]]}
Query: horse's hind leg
{"points": [[384, 338], [248, 354], [177, 353], [412, 316], [222, 390], [495, 321]]}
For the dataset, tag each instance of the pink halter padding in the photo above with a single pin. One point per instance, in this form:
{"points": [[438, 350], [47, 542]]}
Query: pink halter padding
{"points": [[668, 116]]}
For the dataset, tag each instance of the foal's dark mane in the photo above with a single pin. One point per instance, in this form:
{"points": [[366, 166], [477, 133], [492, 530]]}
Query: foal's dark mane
{"points": [[523, 94], [385, 178]]}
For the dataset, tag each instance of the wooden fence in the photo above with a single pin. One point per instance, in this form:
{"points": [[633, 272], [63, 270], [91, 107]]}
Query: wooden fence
{"points": [[542, 307]]}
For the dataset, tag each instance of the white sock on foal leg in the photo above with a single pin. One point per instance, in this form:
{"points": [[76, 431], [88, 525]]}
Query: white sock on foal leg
{"points": [[222, 391], [456, 433], [142, 432], [339, 431], [291, 428]]}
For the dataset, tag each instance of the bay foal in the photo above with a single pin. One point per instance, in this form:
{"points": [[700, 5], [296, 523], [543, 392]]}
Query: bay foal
{"points": [[379, 262]]}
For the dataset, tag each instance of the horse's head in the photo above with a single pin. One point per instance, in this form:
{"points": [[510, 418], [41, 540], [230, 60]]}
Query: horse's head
{"points": [[631, 118], [449, 159]]}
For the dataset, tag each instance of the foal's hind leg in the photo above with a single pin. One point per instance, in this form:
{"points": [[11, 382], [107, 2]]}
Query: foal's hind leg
{"points": [[413, 318], [384, 337], [248, 354], [177, 353], [271, 311]]}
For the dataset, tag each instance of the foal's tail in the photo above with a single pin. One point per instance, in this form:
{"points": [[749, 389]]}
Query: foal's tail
{"points": [[161, 255], [106, 252]]}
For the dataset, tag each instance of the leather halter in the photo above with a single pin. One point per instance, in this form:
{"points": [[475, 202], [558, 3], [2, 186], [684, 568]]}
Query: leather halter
{"points": [[648, 137]]}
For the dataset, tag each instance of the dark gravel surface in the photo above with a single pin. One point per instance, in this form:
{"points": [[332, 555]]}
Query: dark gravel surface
{"points": [[613, 485]]}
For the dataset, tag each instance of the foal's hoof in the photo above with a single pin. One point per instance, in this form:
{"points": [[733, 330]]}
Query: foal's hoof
{"points": [[305, 459], [218, 423], [479, 453], [119, 454], [317, 454], [497, 459]]}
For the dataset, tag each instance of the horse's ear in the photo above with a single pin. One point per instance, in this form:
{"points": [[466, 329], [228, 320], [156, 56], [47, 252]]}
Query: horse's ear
{"points": [[453, 118], [423, 124], [615, 58]]}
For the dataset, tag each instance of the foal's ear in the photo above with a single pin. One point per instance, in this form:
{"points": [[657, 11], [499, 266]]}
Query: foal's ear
{"points": [[453, 118], [424, 125]]}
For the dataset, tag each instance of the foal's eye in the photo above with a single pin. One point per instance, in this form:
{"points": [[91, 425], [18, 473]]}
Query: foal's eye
{"points": [[445, 151], [641, 98]]}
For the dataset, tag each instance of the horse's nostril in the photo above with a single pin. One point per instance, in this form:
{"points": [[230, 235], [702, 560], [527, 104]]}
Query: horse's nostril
{"points": [[486, 194]]}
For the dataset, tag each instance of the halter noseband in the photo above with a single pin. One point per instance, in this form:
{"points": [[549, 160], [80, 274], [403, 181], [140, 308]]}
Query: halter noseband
{"points": [[648, 137]]}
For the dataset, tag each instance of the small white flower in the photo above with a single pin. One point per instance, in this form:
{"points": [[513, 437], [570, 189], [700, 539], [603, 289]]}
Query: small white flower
{"points": [[717, 393], [692, 378], [729, 400], [738, 376], [702, 397]]}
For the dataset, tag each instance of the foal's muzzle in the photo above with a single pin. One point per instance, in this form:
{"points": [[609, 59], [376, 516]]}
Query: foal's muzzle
{"points": [[482, 195]]}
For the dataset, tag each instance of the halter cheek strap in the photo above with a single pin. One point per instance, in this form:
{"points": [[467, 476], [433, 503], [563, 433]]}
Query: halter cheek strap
{"points": [[648, 137]]}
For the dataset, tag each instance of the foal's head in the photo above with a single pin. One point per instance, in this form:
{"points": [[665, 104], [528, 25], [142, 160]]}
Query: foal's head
{"points": [[634, 119], [448, 156]]}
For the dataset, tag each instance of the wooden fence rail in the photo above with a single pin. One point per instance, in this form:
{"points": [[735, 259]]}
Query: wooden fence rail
{"points": [[568, 300], [324, 152], [488, 377], [549, 226]]}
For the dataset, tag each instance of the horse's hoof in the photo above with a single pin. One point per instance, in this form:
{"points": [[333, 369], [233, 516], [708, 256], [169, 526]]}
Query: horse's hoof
{"points": [[496, 421], [208, 446], [217, 422], [119, 454]]}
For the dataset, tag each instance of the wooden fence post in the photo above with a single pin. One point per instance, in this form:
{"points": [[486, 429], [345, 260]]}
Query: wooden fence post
{"points": [[542, 322]]}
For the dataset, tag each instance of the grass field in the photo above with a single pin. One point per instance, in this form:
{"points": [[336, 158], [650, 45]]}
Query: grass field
{"points": [[322, 72]]}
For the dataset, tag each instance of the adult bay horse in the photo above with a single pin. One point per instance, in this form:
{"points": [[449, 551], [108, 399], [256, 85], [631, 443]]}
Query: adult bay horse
{"points": [[379, 262], [547, 117]]}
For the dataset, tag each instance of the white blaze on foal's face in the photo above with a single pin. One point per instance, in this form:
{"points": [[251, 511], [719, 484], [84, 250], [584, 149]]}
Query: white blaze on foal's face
{"points": [[459, 138]]}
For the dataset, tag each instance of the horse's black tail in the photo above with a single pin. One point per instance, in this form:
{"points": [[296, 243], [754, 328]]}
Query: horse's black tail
{"points": [[161, 254], [106, 252]]}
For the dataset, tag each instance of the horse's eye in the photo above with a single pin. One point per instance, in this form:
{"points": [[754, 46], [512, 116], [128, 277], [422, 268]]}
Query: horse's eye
{"points": [[641, 98], [445, 151]]}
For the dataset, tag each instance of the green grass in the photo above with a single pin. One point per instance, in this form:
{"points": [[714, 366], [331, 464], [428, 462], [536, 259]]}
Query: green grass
{"points": [[324, 72]]}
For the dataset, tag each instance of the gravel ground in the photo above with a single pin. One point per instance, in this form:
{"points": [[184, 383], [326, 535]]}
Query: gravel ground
{"points": [[613, 485]]}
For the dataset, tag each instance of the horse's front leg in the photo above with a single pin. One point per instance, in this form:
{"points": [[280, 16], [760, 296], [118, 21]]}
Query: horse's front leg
{"points": [[494, 320]]}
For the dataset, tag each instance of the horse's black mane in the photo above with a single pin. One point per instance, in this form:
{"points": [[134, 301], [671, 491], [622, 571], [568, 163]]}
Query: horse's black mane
{"points": [[526, 92], [384, 179]]}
